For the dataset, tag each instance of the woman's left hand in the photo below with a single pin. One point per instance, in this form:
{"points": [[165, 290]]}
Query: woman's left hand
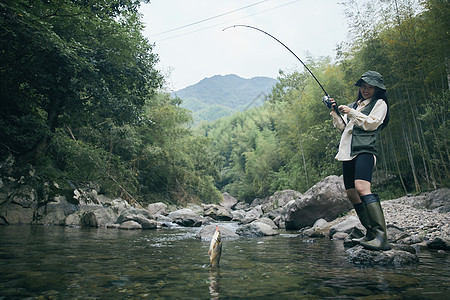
{"points": [[344, 109]]}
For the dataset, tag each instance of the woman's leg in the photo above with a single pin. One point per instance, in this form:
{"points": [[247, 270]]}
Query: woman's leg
{"points": [[348, 171], [353, 195], [378, 240], [364, 164]]}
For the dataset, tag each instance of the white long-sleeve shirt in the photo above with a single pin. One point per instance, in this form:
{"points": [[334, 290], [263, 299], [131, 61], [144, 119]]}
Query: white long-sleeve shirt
{"points": [[355, 117]]}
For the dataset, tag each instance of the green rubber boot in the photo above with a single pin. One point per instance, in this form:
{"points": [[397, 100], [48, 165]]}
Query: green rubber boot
{"points": [[377, 222], [364, 219]]}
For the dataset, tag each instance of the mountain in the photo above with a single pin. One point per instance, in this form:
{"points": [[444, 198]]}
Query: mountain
{"points": [[220, 96]]}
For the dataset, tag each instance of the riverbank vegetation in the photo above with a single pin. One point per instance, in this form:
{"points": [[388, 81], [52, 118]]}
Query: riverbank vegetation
{"points": [[81, 100]]}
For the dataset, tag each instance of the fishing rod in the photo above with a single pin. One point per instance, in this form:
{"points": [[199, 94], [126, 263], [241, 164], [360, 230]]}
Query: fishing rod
{"points": [[325, 99]]}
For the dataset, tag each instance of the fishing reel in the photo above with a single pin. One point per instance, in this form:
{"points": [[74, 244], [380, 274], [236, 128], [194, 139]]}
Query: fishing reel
{"points": [[327, 101], [331, 104]]}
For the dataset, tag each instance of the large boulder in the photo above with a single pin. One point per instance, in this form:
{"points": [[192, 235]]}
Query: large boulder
{"points": [[327, 200], [279, 215], [56, 211], [439, 200], [228, 201], [268, 222], [158, 208], [278, 200], [256, 229], [217, 212], [206, 232], [18, 202], [252, 215], [12, 213], [101, 217], [187, 218], [140, 216], [238, 215]]}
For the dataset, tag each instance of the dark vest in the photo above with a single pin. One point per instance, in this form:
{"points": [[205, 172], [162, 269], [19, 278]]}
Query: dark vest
{"points": [[365, 141]]}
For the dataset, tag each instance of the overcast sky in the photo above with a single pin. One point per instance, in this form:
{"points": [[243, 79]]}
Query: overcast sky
{"points": [[202, 49]]}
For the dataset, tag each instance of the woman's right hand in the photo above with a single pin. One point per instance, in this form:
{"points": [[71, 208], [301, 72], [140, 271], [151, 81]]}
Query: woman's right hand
{"points": [[333, 102]]}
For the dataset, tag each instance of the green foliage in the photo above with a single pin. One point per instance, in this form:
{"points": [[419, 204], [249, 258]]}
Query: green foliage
{"points": [[79, 101]]}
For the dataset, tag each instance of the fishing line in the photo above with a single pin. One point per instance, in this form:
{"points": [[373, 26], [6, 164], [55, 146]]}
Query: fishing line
{"points": [[210, 18], [219, 24], [326, 98]]}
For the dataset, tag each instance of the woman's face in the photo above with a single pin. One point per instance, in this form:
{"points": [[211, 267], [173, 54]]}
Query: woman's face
{"points": [[367, 90]]}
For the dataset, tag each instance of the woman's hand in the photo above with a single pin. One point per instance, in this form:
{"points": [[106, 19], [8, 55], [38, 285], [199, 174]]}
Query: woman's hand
{"points": [[344, 109]]}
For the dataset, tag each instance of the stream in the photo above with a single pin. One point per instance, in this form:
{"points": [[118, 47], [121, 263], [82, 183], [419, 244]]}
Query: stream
{"points": [[56, 262]]}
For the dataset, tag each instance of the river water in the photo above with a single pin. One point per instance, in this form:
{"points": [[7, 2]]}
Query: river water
{"points": [[51, 262]]}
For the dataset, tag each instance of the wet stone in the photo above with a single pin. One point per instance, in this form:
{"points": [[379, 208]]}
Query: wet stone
{"points": [[360, 256]]}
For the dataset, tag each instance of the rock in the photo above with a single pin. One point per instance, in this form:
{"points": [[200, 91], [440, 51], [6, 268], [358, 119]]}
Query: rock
{"points": [[197, 209], [143, 221], [101, 217], [345, 226], [268, 222], [320, 223], [439, 200], [12, 213], [339, 235], [89, 220], [228, 201], [186, 217], [256, 229], [439, 244], [318, 229], [327, 199], [360, 256], [164, 221], [130, 225], [55, 212], [206, 232], [280, 220], [238, 215], [73, 220], [147, 224], [242, 206], [158, 208], [217, 212], [252, 215], [406, 248], [132, 213], [278, 200]]}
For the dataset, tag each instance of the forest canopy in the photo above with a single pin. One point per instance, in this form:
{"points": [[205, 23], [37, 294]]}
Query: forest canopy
{"points": [[82, 101]]}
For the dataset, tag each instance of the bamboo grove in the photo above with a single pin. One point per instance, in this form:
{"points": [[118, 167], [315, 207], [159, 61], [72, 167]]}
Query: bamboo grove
{"points": [[81, 101], [290, 142]]}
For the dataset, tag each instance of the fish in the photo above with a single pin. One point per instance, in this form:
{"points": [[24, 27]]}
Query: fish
{"points": [[215, 248]]}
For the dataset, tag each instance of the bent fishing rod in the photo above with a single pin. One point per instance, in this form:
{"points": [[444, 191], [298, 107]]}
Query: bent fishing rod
{"points": [[325, 99]]}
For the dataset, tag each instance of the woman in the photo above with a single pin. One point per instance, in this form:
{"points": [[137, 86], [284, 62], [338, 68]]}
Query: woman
{"points": [[358, 151]]}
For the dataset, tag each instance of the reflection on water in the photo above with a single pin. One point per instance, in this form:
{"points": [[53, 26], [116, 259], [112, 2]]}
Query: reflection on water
{"points": [[76, 263], [214, 282]]}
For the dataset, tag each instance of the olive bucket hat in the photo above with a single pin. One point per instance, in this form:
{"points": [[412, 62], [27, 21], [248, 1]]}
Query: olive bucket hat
{"points": [[372, 78]]}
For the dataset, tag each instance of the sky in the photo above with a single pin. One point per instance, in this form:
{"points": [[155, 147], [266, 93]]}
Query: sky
{"points": [[189, 39]]}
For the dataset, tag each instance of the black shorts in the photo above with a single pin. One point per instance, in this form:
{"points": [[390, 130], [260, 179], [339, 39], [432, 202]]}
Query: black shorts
{"points": [[360, 167]]}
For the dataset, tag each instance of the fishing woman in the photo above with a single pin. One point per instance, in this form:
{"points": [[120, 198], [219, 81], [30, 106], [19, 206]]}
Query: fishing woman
{"points": [[360, 125]]}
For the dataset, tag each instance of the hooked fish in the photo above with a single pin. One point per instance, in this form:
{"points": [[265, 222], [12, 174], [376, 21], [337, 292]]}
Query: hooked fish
{"points": [[215, 248]]}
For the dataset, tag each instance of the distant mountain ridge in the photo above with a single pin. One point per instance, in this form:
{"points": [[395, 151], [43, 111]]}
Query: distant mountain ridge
{"points": [[222, 95]]}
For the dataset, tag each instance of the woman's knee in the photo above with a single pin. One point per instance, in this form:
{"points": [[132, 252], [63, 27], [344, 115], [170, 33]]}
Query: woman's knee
{"points": [[362, 187]]}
